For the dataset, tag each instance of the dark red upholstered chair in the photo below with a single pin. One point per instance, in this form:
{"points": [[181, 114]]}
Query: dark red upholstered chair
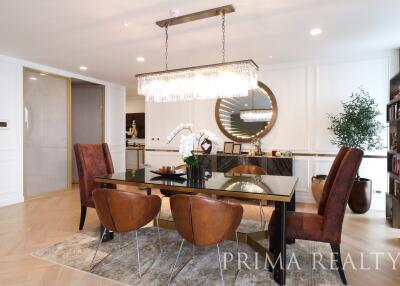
{"points": [[92, 160], [250, 170], [331, 178], [326, 225]]}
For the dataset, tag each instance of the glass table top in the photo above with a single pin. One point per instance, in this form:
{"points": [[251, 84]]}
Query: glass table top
{"points": [[265, 186]]}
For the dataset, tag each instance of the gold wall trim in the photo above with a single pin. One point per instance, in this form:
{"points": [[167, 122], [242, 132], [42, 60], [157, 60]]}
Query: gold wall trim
{"points": [[294, 154]]}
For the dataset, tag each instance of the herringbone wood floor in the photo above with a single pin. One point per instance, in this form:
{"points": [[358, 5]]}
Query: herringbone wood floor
{"points": [[40, 222]]}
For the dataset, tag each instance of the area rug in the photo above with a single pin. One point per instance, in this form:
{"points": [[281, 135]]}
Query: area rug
{"points": [[117, 260]]}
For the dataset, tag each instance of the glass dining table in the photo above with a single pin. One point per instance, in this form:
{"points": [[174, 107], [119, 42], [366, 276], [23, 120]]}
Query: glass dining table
{"points": [[277, 189]]}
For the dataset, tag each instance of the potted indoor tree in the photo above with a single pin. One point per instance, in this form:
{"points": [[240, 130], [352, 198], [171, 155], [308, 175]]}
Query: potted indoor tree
{"points": [[358, 126]]}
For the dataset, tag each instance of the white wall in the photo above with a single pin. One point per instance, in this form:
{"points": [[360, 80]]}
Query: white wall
{"points": [[135, 104], [11, 148], [305, 93], [115, 124], [11, 139]]}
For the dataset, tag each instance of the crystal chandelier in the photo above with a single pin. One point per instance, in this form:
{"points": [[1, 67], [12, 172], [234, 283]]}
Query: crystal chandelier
{"points": [[223, 80], [256, 115]]}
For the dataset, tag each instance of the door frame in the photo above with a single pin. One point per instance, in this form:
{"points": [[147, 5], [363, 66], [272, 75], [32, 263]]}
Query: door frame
{"points": [[69, 131]]}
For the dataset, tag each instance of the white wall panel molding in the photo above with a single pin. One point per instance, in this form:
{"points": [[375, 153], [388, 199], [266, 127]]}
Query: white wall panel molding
{"points": [[11, 138], [115, 124], [336, 82], [302, 170]]}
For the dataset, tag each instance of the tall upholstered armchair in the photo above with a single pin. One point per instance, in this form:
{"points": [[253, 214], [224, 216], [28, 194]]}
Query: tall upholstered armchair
{"points": [[92, 160], [326, 224]]}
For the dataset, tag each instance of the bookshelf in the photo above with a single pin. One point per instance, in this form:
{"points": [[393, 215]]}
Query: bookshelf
{"points": [[393, 154]]}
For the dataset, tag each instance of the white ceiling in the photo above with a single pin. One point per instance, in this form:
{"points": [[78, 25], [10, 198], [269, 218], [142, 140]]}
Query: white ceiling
{"points": [[69, 33]]}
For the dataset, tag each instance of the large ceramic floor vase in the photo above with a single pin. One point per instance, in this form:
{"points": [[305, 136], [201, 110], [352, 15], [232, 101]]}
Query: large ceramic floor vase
{"points": [[317, 187], [361, 195]]}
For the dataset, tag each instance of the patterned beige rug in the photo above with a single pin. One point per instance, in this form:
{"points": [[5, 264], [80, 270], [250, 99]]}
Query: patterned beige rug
{"points": [[117, 260]]}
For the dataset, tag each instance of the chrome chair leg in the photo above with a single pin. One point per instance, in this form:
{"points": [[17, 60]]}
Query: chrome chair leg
{"points": [[262, 216], [138, 255], [158, 230], [220, 266], [98, 245], [237, 243], [177, 257]]}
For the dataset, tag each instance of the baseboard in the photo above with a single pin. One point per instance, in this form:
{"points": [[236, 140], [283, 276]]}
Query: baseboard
{"points": [[10, 199]]}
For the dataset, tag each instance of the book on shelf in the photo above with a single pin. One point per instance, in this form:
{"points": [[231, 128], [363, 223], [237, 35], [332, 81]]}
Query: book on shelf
{"points": [[393, 138], [393, 111], [396, 164]]}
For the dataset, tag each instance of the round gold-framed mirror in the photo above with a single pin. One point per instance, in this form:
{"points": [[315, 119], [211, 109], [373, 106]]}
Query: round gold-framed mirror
{"points": [[243, 119]]}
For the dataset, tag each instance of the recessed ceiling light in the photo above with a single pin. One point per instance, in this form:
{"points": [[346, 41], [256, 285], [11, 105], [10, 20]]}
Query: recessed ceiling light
{"points": [[140, 59], [83, 68], [315, 32], [174, 13], [246, 104], [126, 24], [270, 57], [42, 74], [33, 78]]}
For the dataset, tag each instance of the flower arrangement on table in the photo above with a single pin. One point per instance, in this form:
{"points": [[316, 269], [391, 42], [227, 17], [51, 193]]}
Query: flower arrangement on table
{"points": [[191, 142]]}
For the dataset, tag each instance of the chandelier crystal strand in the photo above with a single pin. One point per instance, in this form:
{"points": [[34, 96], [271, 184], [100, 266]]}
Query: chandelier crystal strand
{"points": [[223, 36], [166, 47]]}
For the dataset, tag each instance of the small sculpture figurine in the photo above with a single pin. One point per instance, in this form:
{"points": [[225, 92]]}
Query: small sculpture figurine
{"points": [[257, 143], [133, 130], [206, 146]]}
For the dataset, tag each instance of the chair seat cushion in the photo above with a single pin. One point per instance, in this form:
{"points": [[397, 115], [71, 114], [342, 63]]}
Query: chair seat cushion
{"points": [[300, 225]]}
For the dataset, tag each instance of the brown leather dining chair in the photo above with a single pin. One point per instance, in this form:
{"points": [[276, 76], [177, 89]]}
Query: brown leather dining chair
{"points": [[250, 170], [92, 160], [326, 225], [204, 221], [122, 211]]}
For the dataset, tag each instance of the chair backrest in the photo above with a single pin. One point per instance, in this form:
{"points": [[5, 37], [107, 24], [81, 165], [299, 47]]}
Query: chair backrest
{"points": [[92, 160], [339, 195], [248, 169], [203, 220], [123, 211], [331, 178]]}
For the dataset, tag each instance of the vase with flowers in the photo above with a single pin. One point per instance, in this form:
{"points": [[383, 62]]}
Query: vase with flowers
{"points": [[188, 146]]}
